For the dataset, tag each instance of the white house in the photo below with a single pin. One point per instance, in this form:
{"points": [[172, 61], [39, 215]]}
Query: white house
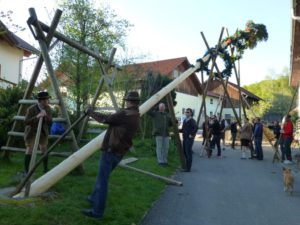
{"points": [[12, 51]]}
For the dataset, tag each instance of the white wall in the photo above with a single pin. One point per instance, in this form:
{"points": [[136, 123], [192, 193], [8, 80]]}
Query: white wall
{"points": [[10, 61], [188, 101]]}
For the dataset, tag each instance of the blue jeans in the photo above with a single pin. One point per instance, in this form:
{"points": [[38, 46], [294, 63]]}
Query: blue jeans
{"points": [[188, 153], [108, 162], [258, 148], [287, 147]]}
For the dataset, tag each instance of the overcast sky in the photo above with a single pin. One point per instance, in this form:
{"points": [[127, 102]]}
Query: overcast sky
{"points": [[166, 29]]}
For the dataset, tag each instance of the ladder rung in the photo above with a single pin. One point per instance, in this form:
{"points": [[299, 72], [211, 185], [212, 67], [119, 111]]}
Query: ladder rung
{"points": [[94, 131], [13, 149], [34, 101], [57, 119], [21, 134]]}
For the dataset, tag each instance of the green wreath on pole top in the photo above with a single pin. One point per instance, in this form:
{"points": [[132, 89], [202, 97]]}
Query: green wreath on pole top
{"points": [[241, 40]]}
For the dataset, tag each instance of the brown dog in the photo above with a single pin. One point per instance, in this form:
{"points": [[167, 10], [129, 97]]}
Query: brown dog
{"points": [[288, 180]]}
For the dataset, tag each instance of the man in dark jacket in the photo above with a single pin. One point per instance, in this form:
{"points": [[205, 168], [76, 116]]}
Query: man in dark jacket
{"points": [[123, 125], [161, 123], [33, 114], [233, 129], [189, 130], [258, 137], [215, 130]]}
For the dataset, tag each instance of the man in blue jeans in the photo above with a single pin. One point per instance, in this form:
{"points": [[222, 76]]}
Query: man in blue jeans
{"points": [[116, 143], [258, 137]]}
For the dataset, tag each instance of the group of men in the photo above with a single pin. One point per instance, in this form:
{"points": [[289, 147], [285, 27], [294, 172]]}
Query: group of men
{"points": [[123, 125]]}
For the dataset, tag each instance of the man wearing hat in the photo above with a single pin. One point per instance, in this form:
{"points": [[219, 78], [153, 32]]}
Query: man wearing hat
{"points": [[123, 125], [33, 114]]}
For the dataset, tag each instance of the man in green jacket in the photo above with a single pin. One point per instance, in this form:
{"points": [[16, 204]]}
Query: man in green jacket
{"points": [[161, 123]]}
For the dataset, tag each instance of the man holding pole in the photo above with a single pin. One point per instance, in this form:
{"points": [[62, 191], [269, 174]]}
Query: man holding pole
{"points": [[33, 115], [123, 125]]}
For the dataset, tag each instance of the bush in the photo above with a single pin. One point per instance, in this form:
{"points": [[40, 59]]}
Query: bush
{"points": [[8, 109]]}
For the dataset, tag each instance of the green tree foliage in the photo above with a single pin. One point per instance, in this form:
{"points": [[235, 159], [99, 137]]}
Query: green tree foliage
{"points": [[95, 28], [276, 95], [9, 107]]}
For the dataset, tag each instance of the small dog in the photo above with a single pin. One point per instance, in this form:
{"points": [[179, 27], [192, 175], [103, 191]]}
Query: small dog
{"points": [[288, 180]]}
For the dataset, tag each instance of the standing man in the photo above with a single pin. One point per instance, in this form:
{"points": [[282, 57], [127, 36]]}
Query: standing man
{"points": [[215, 130], [33, 114], [258, 136], [161, 122], [189, 130], [246, 135], [233, 129], [287, 138], [123, 125], [276, 131]]}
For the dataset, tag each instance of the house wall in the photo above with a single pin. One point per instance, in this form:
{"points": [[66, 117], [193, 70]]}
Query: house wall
{"points": [[188, 101], [10, 63]]}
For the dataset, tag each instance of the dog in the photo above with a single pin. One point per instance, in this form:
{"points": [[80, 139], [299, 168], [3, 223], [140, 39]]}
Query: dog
{"points": [[288, 180]]}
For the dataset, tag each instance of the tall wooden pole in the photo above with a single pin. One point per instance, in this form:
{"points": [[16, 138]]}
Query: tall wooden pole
{"points": [[46, 181], [176, 131], [45, 53]]}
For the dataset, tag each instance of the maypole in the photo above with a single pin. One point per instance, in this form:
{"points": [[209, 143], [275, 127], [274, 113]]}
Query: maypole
{"points": [[242, 40]]}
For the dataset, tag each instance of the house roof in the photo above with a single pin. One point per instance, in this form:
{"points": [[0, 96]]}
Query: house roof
{"points": [[236, 87], [16, 41], [165, 67], [295, 45]]}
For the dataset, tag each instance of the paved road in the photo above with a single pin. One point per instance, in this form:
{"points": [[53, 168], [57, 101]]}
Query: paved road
{"points": [[228, 191]]}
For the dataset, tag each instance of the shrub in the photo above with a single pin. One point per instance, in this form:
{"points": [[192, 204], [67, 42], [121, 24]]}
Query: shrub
{"points": [[8, 109]]}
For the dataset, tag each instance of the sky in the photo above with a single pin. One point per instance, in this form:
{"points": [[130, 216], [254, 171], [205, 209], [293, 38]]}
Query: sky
{"points": [[165, 29]]}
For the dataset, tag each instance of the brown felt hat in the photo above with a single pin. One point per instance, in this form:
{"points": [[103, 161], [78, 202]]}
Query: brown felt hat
{"points": [[43, 95], [132, 96]]}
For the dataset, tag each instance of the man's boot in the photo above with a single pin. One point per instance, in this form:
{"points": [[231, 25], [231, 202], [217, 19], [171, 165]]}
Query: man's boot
{"points": [[27, 162], [45, 164]]}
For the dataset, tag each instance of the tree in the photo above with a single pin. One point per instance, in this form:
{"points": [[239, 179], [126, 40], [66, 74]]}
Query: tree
{"points": [[276, 95], [151, 85], [95, 28]]}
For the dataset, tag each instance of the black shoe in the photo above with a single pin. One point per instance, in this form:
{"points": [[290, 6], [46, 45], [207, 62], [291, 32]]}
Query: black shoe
{"points": [[89, 213]]}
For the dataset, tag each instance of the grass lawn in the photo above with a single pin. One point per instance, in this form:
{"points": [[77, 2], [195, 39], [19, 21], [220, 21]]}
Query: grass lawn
{"points": [[130, 194]]}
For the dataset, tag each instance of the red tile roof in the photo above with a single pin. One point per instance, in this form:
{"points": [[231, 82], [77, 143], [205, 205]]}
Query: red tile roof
{"points": [[165, 67]]}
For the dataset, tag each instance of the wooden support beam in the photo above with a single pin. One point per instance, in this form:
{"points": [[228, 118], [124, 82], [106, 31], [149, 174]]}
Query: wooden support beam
{"points": [[165, 179], [22, 150], [35, 101], [57, 119], [176, 131], [35, 73]]}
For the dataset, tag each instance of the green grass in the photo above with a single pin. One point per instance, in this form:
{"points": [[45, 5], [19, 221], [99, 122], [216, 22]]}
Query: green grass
{"points": [[130, 196]]}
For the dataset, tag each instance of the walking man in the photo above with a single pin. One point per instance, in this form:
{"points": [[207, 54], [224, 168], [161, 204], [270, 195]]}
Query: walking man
{"points": [[215, 130], [233, 129], [161, 122], [123, 125], [33, 114], [189, 130]]}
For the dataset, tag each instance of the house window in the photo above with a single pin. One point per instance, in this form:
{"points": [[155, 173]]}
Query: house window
{"points": [[175, 73], [211, 101], [210, 114], [183, 111]]}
